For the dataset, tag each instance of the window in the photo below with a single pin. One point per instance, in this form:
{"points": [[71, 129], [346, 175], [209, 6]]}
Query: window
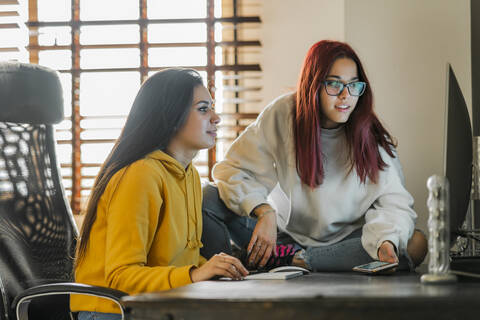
{"points": [[105, 49], [13, 32]]}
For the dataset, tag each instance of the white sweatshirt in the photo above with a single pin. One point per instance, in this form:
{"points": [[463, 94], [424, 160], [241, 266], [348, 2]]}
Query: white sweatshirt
{"points": [[260, 167]]}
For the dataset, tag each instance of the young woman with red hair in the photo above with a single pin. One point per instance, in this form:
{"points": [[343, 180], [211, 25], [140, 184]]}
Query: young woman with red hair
{"points": [[318, 165]]}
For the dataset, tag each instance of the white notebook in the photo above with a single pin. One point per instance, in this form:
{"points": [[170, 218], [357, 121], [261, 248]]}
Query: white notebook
{"points": [[278, 273], [274, 275]]}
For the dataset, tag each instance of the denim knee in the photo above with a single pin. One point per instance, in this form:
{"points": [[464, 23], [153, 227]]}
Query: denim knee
{"points": [[211, 202]]}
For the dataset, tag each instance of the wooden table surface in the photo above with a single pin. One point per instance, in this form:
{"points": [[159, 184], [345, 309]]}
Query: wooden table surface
{"points": [[313, 296]]}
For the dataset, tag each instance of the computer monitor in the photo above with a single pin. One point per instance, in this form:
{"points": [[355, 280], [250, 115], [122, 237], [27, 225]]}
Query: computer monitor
{"points": [[458, 153]]}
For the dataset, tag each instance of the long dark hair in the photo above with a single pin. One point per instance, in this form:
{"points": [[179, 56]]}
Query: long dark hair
{"points": [[363, 130], [160, 109]]}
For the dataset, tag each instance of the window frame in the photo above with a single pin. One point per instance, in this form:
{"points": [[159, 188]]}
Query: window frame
{"points": [[235, 69]]}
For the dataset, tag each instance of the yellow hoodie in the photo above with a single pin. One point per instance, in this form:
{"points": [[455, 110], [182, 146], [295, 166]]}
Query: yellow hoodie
{"points": [[146, 236]]}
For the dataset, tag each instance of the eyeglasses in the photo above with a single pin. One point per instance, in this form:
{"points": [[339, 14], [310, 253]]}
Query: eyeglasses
{"points": [[335, 87]]}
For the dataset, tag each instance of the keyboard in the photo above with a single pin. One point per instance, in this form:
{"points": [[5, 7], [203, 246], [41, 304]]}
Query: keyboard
{"points": [[466, 266]]}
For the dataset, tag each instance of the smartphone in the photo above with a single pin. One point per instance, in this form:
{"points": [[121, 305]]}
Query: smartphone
{"points": [[375, 266]]}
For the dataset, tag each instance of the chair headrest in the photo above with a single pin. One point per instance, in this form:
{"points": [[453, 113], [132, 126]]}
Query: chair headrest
{"points": [[30, 94]]}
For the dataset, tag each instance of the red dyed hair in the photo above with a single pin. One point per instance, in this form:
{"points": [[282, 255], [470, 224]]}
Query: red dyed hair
{"points": [[363, 130]]}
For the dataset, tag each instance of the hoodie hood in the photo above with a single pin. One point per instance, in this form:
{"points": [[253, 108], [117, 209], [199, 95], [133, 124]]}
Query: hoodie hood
{"points": [[170, 163]]}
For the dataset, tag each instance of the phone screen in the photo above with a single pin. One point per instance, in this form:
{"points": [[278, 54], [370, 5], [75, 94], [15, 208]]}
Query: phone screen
{"points": [[375, 266]]}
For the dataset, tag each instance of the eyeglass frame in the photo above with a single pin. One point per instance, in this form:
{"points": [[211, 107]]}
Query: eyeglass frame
{"points": [[345, 85]]}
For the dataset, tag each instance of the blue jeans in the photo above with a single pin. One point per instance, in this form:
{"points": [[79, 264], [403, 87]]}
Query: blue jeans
{"points": [[90, 315], [221, 226]]}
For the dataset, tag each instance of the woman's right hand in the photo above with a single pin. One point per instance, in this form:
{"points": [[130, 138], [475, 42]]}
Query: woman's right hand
{"points": [[219, 265]]}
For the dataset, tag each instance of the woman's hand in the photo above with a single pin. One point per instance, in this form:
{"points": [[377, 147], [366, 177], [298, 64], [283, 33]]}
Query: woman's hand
{"points": [[264, 238], [386, 252], [219, 265]]}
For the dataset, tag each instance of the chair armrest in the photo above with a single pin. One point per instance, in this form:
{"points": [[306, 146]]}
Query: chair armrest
{"points": [[21, 301]]}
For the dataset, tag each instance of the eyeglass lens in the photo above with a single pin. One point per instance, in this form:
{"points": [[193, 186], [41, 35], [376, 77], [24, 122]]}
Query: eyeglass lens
{"points": [[334, 88]]}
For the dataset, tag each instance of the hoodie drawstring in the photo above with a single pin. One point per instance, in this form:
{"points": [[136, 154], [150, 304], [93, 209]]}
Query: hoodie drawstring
{"points": [[196, 242]]}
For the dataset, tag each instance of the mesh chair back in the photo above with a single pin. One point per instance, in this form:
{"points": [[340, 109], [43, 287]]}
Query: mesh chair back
{"points": [[37, 230]]}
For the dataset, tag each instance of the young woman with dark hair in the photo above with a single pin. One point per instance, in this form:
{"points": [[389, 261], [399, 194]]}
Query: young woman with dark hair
{"points": [[318, 165], [143, 223]]}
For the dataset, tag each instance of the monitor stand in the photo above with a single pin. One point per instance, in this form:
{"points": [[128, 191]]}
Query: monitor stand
{"points": [[466, 253], [466, 257]]}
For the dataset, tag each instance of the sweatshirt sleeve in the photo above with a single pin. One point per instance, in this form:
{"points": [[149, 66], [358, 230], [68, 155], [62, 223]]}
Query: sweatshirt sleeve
{"points": [[133, 214], [391, 217], [247, 174]]}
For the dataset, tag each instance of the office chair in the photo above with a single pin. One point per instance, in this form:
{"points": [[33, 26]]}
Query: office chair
{"points": [[37, 230]]}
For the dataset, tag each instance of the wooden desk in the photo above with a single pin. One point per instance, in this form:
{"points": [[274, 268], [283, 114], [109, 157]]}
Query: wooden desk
{"points": [[314, 296]]}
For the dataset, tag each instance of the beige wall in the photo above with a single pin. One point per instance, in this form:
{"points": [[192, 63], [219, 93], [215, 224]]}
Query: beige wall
{"points": [[289, 28], [405, 46]]}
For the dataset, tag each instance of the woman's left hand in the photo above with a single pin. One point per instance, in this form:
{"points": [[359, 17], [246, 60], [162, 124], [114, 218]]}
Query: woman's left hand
{"points": [[264, 238], [386, 252]]}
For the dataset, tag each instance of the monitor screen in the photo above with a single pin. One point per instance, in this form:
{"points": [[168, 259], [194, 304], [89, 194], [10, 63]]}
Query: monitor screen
{"points": [[458, 153]]}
